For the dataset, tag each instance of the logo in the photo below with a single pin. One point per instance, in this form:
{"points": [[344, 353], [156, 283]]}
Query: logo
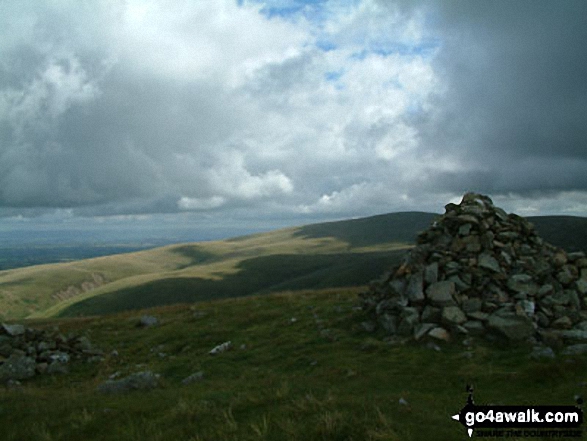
{"points": [[520, 421]]}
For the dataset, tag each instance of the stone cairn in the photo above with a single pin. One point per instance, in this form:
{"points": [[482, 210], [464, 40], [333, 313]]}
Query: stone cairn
{"points": [[478, 271], [26, 352]]}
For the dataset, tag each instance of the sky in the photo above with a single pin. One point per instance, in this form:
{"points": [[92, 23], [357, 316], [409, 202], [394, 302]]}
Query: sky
{"points": [[236, 115]]}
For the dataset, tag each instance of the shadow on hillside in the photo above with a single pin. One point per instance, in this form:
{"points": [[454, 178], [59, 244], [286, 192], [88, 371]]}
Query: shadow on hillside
{"points": [[374, 230], [260, 275]]}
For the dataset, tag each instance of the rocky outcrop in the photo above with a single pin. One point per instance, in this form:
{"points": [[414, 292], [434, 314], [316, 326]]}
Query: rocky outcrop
{"points": [[480, 271], [26, 352]]}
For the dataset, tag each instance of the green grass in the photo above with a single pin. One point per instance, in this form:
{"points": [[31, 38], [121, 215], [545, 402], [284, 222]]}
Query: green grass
{"points": [[258, 275], [318, 377]]}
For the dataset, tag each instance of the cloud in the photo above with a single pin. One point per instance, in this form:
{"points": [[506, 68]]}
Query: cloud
{"points": [[289, 108]]}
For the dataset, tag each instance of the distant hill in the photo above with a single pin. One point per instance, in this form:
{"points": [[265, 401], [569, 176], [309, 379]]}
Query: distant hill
{"points": [[374, 230], [326, 255], [567, 232]]}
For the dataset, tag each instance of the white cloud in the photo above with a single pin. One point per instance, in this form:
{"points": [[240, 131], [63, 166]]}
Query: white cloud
{"points": [[339, 107], [186, 203]]}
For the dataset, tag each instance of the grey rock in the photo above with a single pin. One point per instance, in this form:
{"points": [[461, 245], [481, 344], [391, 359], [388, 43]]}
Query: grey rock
{"points": [[474, 327], [577, 349], [369, 326], [415, 288], [17, 367], [542, 352], [397, 286], [573, 335], [433, 346], [563, 322], [13, 330], [459, 284], [57, 368], [465, 229], [472, 305], [582, 286], [542, 319], [197, 376], [488, 262], [422, 329], [431, 273], [479, 315], [439, 334], [441, 293], [576, 256], [409, 319], [431, 314], [528, 307], [513, 327], [452, 315], [221, 348], [59, 357], [138, 381], [147, 321], [522, 283], [565, 277], [388, 322], [545, 290]]}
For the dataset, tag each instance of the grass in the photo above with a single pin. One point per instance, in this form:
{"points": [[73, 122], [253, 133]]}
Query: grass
{"points": [[301, 368], [256, 275], [189, 272]]}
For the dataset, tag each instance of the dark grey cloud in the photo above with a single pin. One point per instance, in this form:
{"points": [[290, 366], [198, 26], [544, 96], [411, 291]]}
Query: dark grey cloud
{"points": [[514, 108], [142, 107]]}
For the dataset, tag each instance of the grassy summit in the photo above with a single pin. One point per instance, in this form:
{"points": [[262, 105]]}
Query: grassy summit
{"points": [[301, 368]]}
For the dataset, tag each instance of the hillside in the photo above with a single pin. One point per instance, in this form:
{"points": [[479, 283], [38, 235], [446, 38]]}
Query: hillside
{"points": [[333, 254], [294, 258], [301, 367]]}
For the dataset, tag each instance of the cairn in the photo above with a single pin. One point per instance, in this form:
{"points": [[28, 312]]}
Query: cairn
{"points": [[478, 271], [26, 352]]}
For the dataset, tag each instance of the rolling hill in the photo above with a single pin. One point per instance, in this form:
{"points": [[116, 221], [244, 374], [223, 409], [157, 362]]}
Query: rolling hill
{"points": [[326, 255]]}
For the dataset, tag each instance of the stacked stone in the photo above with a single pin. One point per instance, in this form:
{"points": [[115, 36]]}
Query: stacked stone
{"points": [[478, 271], [26, 352]]}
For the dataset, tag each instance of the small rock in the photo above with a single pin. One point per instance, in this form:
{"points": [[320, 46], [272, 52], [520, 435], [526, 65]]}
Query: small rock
{"points": [[139, 381], [369, 326], [148, 320], [193, 378], [488, 262], [402, 402], [422, 329], [57, 368], [578, 349], [221, 348], [452, 315], [439, 334], [441, 293], [540, 352], [562, 323]]}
